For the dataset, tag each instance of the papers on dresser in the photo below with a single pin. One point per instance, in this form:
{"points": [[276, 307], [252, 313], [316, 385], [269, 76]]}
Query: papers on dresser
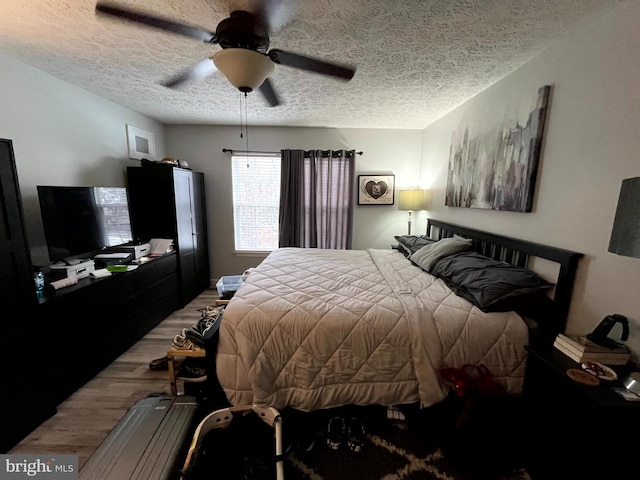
{"points": [[160, 246], [113, 256]]}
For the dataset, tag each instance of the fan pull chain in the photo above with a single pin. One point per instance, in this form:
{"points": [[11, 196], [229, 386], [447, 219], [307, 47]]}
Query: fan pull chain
{"points": [[246, 126], [240, 114]]}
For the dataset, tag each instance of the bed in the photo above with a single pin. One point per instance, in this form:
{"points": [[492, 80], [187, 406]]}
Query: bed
{"points": [[313, 328]]}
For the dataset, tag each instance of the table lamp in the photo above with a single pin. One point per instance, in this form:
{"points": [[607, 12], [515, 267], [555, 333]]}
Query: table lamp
{"points": [[412, 201], [625, 235]]}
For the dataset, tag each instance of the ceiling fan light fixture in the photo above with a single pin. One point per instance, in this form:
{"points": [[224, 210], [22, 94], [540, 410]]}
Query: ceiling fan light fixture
{"points": [[245, 69]]}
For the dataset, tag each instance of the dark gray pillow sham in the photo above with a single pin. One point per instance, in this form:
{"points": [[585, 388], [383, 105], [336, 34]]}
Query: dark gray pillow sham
{"points": [[409, 244], [489, 284]]}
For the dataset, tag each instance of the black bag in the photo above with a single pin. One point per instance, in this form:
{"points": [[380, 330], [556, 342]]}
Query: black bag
{"points": [[242, 451], [208, 325]]}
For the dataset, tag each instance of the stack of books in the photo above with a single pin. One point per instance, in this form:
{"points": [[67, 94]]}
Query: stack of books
{"points": [[581, 349]]}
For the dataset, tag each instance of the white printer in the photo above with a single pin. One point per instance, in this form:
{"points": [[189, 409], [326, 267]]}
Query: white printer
{"points": [[137, 251], [75, 268]]}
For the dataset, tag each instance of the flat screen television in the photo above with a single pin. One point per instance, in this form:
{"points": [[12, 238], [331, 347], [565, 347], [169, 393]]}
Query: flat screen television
{"points": [[79, 222]]}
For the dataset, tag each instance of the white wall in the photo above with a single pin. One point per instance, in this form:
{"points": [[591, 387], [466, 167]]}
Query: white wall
{"points": [[386, 151], [62, 135], [591, 143]]}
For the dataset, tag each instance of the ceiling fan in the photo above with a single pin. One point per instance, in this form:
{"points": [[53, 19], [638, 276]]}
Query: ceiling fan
{"points": [[245, 58]]}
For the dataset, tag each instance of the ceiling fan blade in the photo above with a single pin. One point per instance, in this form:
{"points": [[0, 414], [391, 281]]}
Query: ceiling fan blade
{"points": [[273, 14], [295, 60], [269, 93], [198, 71], [160, 23]]}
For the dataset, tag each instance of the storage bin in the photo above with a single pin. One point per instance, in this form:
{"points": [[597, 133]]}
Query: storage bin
{"points": [[228, 286]]}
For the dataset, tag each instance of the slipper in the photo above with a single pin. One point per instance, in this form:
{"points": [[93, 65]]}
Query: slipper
{"points": [[355, 435], [159, 363], [336, 433]]}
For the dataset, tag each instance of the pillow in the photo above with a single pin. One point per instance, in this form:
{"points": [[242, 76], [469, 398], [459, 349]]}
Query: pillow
{"points": [[489, 284], [408, 244], [428, 255]]}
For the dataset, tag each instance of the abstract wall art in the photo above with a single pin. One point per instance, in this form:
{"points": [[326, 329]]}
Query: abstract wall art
{"points": [[493, 159]]}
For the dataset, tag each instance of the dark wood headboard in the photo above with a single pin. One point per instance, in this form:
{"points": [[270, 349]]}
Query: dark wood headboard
{"points": [[518, 252]]}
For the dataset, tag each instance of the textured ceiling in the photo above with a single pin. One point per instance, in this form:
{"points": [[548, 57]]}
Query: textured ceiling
{"points": [[416, 59]]}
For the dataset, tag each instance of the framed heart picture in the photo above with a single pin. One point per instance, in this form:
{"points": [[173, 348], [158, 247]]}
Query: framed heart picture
{"points": [[376, 189]]}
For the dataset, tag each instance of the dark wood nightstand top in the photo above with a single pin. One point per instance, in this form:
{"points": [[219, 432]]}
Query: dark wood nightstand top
{"points": [[602, 394]]}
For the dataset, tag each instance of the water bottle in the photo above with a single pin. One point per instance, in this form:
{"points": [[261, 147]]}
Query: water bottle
{"points": [[39, 280]]}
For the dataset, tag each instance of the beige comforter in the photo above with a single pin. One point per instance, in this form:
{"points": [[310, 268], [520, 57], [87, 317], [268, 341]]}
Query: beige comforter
{"points": [[313, 328]]}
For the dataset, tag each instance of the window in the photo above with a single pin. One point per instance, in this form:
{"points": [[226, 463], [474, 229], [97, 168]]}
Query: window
{"points": [[113, 215], [256, 202]]}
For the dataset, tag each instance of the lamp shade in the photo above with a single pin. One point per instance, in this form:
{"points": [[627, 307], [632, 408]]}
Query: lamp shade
{"points": [[412, 200], [245, 69], [625, 235]]}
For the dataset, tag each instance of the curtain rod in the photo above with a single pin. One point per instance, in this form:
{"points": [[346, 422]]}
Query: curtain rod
{"points": [[257, 152]]}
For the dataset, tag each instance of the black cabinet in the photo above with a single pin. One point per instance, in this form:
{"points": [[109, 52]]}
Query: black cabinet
{"points": [[16, 281], [168, 202], [23, 403]]}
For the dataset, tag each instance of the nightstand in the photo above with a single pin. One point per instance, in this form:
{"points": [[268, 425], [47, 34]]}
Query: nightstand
{"points": [[574, 430]]}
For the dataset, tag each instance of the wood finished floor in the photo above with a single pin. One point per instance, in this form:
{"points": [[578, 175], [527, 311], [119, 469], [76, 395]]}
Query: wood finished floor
{"points": [[86, 417]]}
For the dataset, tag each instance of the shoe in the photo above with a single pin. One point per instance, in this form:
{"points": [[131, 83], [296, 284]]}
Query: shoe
{"points": [[191, 370], [159, 363], [308, 445], [211, 312], [200, 333], [335, 433], [305, 443], [520, 474], [195, 376], [395, 414], [181, 342], [355, 435]]}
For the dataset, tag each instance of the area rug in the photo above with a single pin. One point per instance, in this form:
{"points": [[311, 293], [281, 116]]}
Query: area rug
{"points": [[411, 447], [391, 452], [404, 445]]}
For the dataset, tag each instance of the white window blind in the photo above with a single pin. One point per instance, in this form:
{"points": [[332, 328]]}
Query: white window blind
{"points": [[256, 202], [113, 215]]}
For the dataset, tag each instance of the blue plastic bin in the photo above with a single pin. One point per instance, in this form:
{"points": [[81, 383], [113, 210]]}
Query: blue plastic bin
{"points": [[227, 286]]}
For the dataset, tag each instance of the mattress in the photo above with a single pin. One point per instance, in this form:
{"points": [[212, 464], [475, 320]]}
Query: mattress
{"points": [[316, 328]]}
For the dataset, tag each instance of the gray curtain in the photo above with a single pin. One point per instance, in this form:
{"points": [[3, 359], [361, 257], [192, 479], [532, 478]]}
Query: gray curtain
{"points": [[316, 198]]}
